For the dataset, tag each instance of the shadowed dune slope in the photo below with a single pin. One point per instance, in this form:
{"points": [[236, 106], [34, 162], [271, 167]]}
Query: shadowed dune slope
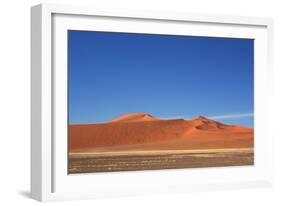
{"points": [[143, 131]]}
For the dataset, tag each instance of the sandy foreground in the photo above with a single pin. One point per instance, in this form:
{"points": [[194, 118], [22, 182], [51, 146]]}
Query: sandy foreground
{"points": [[155, 160]]}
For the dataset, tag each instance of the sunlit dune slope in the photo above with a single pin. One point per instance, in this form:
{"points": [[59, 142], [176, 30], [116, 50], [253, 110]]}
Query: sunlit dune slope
{"points": [[145, 132], [135, 118]]}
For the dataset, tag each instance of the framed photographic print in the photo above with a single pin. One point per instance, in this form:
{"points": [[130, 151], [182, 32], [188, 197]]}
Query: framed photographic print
{"points": [[136, 102]]}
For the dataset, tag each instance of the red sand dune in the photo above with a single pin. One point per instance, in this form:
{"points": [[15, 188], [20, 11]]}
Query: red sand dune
{"points": [[143, 131]]}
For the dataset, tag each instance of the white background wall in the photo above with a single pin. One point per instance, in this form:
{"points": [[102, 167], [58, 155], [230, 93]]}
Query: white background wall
{"points": [[15, 101]]}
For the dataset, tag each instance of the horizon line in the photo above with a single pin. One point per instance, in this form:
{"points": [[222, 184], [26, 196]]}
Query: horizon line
{"points": [[184, 117]]}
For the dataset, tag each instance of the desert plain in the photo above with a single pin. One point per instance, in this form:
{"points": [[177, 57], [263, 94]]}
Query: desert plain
{"points": [[142, 142]]}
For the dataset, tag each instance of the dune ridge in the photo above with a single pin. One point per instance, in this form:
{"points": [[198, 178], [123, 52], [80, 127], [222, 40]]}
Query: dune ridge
{"points": [[144, 132], [139, 117]]}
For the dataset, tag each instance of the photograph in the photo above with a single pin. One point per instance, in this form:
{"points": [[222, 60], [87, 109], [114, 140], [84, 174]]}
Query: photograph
{"points": [[139, 101]]}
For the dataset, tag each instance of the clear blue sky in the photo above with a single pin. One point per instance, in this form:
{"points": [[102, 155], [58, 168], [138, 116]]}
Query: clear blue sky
{"points": [[111, 74]]}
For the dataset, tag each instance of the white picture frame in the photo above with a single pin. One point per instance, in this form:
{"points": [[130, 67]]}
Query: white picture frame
{"points": [[49, 179]]}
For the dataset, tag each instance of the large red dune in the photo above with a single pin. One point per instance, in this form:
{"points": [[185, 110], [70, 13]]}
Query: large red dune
{"points": [[145, 132]]}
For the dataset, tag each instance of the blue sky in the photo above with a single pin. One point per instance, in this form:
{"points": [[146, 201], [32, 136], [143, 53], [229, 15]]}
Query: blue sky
{"points": [[111, 74]]}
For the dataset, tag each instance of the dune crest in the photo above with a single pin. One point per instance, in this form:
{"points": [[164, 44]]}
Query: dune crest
{"points": [[138, 117], [203, 123]]}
